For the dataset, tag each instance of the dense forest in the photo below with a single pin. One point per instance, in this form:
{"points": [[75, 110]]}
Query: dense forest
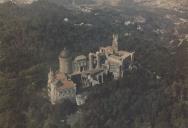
{"points": [[155, 95]]}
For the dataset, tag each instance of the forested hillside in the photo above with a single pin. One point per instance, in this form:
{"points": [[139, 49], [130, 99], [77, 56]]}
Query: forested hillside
{"points": [[32, 36]]}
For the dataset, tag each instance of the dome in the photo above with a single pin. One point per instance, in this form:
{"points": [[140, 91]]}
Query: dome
{"points": [[81, 57], [65, 53]]}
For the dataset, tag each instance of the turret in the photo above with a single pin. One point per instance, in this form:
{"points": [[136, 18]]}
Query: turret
{"points": [[132, 56], [91, 61], [115, 43], [65, 62], [98, 60], [51, 76], [51, 87]]}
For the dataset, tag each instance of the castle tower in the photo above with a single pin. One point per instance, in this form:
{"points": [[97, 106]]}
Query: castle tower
{"points": [[132, 56], [51, 86], [98, 60], [115, 43], [91, 61], [51, 76], [65, 62]]}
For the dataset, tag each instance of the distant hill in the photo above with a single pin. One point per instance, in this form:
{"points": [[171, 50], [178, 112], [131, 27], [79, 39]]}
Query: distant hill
{"points": [[18, 1], [97, 2], [168, 4]]}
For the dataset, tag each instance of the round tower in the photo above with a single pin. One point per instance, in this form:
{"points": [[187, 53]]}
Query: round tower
{"points": [[115, 43], [65, 62], [91, 61]]}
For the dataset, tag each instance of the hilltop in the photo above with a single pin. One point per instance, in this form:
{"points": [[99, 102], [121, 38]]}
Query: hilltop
{"points": [[32, 37]]}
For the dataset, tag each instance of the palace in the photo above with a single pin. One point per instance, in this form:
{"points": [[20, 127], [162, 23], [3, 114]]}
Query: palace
{"points": [[106, 64]]}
